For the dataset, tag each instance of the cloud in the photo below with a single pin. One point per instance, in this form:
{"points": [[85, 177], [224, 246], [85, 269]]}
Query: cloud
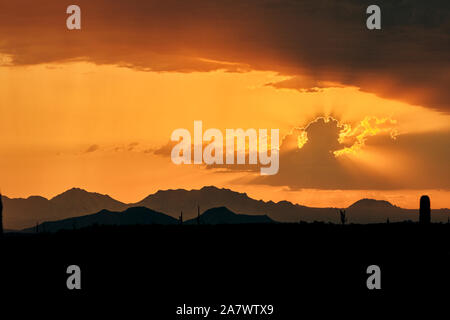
{"points": [[368, 127], [318, 43], [132, 146], [304, 84], [370, 155], [92, 148], [165, 150], [307, 160]]}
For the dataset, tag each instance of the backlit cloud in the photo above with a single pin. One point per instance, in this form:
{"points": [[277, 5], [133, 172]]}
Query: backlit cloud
{"points": [[370, 155]]}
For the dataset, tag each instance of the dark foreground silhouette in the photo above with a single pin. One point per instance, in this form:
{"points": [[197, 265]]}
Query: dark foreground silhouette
{"points": [[296, 267], [144, 216]]}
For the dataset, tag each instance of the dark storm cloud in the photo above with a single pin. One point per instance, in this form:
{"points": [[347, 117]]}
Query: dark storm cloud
{"points": [[324, 41]]}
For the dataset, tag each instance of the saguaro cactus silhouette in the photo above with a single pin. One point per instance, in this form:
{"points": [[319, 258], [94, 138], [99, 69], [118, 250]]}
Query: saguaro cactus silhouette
{"points": [[198, 214], [1, 216], [425, 210], [343, 216], [181, 217]]}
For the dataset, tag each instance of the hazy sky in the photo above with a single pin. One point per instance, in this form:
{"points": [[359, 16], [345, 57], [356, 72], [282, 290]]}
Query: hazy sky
{"points": [[95, 108]]}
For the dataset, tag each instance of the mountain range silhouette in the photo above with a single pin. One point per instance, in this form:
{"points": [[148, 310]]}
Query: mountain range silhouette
{"points": [[22, 213], [144, 216]]}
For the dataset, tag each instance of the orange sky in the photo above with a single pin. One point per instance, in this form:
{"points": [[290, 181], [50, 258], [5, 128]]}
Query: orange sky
{"points": [[58, 111], [95, 108]]}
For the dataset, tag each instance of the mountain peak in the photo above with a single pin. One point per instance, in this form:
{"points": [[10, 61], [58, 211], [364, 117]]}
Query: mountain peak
{"points": [[71, 192], [222, 211], [209, 188], [372, 203], [222, 215]]}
